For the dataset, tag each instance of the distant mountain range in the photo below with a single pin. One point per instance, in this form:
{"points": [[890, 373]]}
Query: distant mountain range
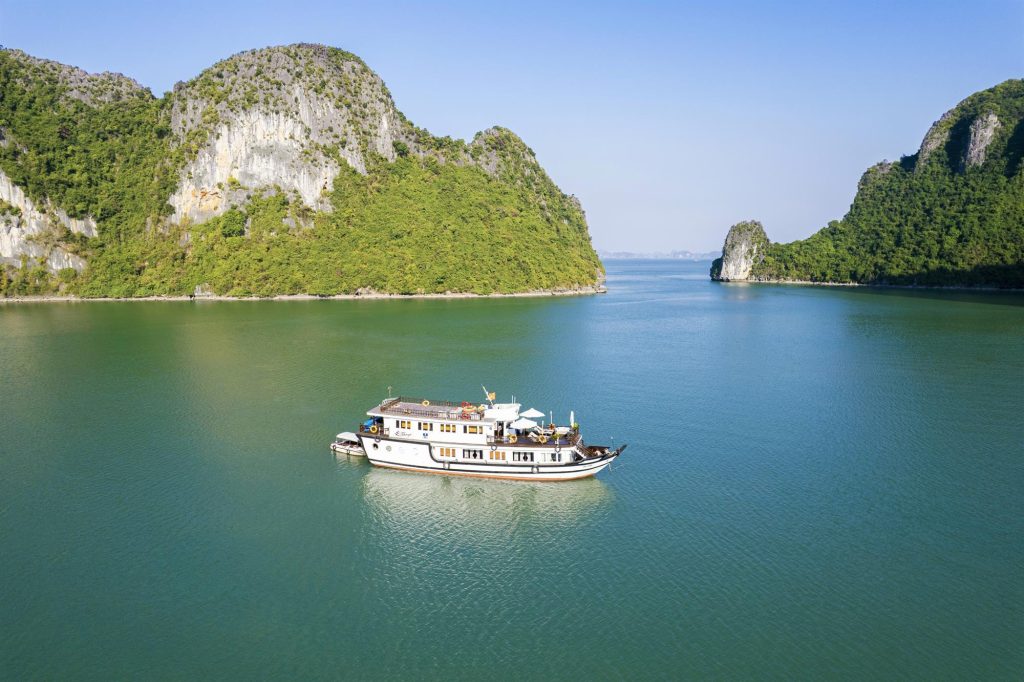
{"points": [[658, 255]]}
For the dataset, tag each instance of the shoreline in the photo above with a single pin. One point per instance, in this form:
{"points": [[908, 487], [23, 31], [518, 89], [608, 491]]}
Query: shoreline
{"points": [[374, 296], [905, 287]]}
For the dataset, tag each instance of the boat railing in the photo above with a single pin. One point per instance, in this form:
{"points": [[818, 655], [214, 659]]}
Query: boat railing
{"points": [[421, 400], [564, 440], [414, 407], [369, 430]]}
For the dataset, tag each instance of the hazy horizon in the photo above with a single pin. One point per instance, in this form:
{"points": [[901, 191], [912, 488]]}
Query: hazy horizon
{"points": [[669, 122]]}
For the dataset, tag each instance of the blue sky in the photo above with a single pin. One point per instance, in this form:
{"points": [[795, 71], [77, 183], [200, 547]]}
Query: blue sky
{"points": [[670, 121]]}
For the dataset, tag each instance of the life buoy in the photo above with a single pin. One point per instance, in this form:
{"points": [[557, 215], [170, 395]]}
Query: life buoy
{"points": [[425, 403], [373, 429], [543, 439], [493, 448], [512, 439]]}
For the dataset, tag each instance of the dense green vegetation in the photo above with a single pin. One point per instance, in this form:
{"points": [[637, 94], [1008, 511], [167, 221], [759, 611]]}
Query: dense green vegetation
{"points": [[933, 222], [412, 226], [417, 224], [110, 160]]}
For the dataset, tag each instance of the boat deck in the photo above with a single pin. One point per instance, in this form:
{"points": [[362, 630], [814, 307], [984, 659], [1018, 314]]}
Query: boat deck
{"points": [[428, 409], [533, 441]]}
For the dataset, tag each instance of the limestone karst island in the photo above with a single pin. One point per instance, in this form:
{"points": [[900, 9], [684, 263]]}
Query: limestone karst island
{"points": [[951, 214], [286, 170]]}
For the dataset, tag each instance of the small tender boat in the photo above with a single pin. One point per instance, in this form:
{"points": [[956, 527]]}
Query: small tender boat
{"points": [[492, 440], [346, 443]]}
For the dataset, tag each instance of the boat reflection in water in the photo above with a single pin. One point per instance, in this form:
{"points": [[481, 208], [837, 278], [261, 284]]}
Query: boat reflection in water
{"points": [[412, 504]]}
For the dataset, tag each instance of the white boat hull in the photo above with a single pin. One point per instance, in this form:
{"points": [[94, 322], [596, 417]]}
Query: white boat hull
{"points": [[420, 456]]}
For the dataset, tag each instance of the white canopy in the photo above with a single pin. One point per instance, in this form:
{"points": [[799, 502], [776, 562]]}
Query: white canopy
{"points": [[347, 435], [522, 423], [531, 414]]}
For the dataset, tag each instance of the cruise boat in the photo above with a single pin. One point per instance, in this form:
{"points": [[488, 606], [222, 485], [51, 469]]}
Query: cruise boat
{"points": [[492, 440]]}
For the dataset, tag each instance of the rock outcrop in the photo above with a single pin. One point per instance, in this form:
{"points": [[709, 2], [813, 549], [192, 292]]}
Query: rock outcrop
{"points": [[982, 132], [32, 232], [90, 88], [745, 247], [934, 139], [284, 116], [290, 117]]}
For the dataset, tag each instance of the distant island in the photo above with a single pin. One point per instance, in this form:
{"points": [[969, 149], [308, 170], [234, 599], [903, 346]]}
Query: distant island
{"points": [[950, 215], [657, 255], [279, 171]]}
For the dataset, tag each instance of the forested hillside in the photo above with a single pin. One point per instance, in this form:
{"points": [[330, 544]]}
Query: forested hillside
{"points": [[278, 171], [950, 215]]}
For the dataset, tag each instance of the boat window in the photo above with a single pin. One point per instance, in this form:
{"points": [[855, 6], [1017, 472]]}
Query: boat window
{"points": [[403, 424], [522, 456], [447, 428], [472, 429], [446, 452], [473, 454], [426, 426], [556, 456], [498, 455]]}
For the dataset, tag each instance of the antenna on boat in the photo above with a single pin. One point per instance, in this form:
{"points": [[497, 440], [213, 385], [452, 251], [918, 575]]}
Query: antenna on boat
{"points": [[389, 393]]}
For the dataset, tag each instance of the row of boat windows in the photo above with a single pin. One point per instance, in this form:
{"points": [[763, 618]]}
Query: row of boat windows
{"points": [[444, 428], [500, 455]]}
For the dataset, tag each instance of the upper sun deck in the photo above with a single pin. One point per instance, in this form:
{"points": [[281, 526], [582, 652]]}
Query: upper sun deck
{"points": [[444, 410]]}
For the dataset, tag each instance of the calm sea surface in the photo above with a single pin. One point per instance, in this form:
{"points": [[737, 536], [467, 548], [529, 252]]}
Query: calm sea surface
{"points": [[820, 483]]}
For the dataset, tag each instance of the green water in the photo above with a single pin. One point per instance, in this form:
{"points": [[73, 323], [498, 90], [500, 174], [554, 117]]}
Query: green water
{"points": [[820, 483]]}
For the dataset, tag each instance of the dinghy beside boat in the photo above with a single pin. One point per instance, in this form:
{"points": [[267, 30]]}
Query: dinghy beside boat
{"points": [[346, 443]]}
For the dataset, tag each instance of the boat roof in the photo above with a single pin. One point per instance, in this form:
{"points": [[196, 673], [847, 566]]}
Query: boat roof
{"points": [[443, 409]]}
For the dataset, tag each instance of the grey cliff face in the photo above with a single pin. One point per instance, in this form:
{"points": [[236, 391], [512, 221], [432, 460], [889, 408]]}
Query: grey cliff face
{"points": [[286, 117], [983, 130], [290, 118], [936, 137], [744, 248], [29, 230]]}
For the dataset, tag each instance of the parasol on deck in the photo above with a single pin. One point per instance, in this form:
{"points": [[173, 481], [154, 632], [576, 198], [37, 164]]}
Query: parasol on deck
{"points": [[522, 424]]}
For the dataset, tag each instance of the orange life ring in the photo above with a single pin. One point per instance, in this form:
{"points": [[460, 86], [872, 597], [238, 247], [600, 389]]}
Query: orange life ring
{"points": [[425, 403], [512, 438], [373, 429]]}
